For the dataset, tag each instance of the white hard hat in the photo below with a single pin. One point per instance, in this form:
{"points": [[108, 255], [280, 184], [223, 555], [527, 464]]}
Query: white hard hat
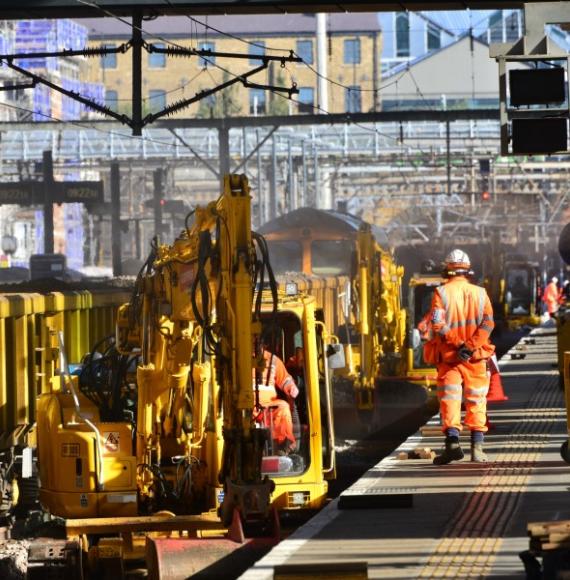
{"points": [[457, 260]]}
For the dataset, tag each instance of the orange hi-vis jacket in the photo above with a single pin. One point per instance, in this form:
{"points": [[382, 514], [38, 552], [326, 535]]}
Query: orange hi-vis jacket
{"points": [[275, 376], [551, 297], [466, 318]]}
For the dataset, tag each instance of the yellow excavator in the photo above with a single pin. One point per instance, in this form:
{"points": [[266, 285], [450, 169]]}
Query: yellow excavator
{"points": [[344, 262], [159, 430], [379, 319], [420, 293], [519, 292]]}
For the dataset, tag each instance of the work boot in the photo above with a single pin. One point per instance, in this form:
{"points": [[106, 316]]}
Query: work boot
{"points": [[452, 452], [477, 453]]}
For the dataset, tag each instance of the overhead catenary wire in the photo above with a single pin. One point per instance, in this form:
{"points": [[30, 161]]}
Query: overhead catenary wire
{"points": [[87, 126], [215, 65], [158, 37], [278, 49]]}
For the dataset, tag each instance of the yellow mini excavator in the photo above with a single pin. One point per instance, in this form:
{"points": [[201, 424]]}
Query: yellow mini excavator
{"points": [[158, 430]]}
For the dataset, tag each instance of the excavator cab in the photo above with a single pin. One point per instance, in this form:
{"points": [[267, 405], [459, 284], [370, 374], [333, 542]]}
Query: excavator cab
{"points": [[421, 288], [521, 300], [286, 414], [296, 338]]}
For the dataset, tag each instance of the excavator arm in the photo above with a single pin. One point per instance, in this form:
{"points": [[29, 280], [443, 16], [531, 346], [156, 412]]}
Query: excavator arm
{"points": [[193, 318], [379, 316]]}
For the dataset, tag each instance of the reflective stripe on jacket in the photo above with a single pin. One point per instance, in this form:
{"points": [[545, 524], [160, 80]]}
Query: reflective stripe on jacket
{"points": [[468, 319]]}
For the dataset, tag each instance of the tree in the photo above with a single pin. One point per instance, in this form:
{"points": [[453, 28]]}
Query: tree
{"points": [[225, 103], [278, 104]]}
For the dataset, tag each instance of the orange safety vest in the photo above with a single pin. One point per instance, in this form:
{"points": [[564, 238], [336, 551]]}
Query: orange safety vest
{"points": [[467, 318], [550, 297], [425, 328], [275, 376]]}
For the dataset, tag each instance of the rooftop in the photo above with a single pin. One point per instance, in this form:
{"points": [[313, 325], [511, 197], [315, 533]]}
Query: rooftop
{"points": [[241, 25]]}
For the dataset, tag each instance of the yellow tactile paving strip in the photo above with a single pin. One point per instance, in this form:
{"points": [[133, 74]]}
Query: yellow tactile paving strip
{"points": [[474, 537]]}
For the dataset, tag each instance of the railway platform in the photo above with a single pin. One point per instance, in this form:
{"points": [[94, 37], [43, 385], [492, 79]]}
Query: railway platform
{"points": [[407, 518]]}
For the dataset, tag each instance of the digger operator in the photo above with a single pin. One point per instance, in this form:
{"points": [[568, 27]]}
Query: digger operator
{"points": [[271, 381], [462, 321]]}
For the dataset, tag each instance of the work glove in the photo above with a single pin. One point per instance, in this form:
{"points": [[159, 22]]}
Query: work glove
{"points": [[464, 354]]}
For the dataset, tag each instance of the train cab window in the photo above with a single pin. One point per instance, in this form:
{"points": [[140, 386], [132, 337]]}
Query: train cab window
{"points": [[330, 258], [285, 255], [286, 451], [518, 290]]}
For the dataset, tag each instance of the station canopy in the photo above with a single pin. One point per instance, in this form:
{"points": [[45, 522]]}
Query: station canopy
{"points": [[26, 9]]}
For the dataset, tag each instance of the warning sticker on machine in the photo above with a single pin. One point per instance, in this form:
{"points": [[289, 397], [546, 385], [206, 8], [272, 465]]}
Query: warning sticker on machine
{"points": [[111, 439]]}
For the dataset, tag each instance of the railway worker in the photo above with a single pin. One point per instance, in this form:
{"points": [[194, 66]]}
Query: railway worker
{"points": [[295, 364], [462, 321], [274, 411], [551, 297]]}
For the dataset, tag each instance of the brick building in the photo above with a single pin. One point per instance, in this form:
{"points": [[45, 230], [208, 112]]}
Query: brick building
{"points": [[354, 48]]}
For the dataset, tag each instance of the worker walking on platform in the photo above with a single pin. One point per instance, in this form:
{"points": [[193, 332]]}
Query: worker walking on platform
{"points": [[462, 321]]}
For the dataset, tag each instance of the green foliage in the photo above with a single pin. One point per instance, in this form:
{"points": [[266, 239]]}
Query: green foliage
{"points": [[225, 103], [278, 104]]}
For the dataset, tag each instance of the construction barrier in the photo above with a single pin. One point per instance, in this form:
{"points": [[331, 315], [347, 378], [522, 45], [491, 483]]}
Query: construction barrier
{"points": [[29, 324]]}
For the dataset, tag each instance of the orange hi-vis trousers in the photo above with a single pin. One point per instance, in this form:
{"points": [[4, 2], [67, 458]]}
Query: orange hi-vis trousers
{"points": [[467, 380]]}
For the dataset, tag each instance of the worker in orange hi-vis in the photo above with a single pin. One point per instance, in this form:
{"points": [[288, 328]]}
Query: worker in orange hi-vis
{"points": [[273, 411], [551, 297], [462, 321]]}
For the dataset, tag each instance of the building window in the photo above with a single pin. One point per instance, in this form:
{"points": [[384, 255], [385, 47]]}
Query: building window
{"points": [[512, 27], [352, 99], [209, 59], [433, 37], [256, 101], [257, 48], [306, 100], [111, 99], [109, 60], [156, 100], [402, 34], [352, 51], [157, 59], [496, 27], [305, 50]]}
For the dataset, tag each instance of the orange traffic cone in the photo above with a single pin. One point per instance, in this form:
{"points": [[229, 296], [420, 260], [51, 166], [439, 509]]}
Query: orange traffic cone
{"points": [[496, 392]]}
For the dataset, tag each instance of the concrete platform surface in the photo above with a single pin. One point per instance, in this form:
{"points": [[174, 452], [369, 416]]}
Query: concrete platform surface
{"points": [[412, 519]]}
